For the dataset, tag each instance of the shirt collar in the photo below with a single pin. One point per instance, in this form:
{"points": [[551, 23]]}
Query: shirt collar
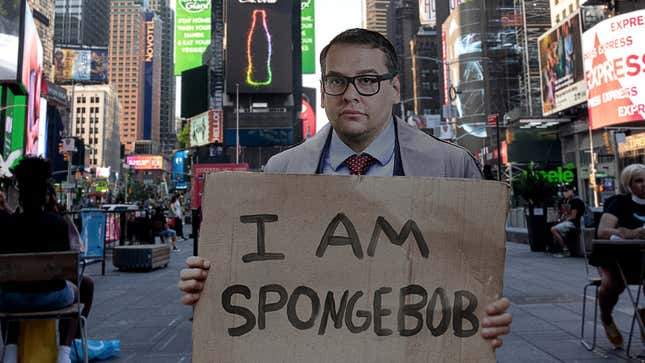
{"points": [[381, 149]]}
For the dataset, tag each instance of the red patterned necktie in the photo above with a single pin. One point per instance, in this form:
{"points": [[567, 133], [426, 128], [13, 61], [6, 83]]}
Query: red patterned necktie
{"points": [[358, 164]]}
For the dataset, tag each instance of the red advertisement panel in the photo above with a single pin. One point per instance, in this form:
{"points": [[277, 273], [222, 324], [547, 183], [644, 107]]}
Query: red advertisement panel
{"points": [[145, 162], [200, 170], [614, 63]]}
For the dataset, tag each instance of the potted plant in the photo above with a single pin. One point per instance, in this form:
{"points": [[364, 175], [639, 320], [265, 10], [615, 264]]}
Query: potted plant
{"points": [[538, 193]]}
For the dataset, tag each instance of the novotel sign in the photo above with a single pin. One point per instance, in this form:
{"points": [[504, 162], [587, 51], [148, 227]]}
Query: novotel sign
{"points": [[150, 40]]}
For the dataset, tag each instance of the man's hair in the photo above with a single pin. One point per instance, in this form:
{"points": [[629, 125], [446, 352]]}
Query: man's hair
{"points": [[628, 174], [360, 36], [32, 174]]}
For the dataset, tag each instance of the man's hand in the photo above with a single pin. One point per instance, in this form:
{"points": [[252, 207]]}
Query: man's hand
{"points": [[497, 323], [192, 279]]}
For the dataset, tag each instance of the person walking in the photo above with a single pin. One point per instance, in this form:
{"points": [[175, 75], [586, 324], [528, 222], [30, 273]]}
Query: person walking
{"points": [[178, 216]]}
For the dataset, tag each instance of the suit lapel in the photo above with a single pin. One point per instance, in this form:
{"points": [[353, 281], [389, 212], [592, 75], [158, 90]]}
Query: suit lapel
{"points": [[307, 161]]}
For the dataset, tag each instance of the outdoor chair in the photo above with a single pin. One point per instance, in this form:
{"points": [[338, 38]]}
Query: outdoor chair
{"points": [[593, 280], [28, 267]]}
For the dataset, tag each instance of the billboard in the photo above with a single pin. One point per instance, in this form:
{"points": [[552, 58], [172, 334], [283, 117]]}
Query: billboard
{"points": [[614, 66], [192, 33], [32, 76], [10, 40], [199, 173], [427, 12], [178, 174], [561, 75], [259, 47], [13, 115], [199, 126], [145, 162], [72, 65], [103, 172], [216, 126], [308, 36], [148, 75]]}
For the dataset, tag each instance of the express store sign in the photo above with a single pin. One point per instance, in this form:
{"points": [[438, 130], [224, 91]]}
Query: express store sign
{"points": [[614, 64]]}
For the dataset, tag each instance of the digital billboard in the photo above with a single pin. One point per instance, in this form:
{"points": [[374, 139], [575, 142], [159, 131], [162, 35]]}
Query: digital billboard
{"points": [[308, 36], [148, 75], [561, 75], [145, 162], [199, 126], [614, 65], [14, 113], [10, 11], [178, 174], [259, 47], [80, 65], [32, 79], [192, 33]]}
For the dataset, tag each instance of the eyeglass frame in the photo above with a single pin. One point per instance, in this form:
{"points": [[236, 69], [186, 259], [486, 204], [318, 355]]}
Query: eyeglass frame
{"points": [[350, 80]]}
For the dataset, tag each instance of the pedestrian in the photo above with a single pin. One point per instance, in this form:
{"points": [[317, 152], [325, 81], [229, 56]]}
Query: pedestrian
{"points": [[572, 209], [178, 216], [360, 87], [623, 218]]}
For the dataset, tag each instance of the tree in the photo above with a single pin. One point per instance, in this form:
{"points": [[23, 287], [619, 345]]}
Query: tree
{"points": [[182, 137]]}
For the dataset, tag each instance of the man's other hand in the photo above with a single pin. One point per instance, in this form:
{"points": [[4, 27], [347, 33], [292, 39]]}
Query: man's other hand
{"points": [[497, 322], [192, 279]]}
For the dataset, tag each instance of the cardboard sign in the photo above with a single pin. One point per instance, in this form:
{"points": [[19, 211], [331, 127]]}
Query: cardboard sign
{"points": [[315, 268]]}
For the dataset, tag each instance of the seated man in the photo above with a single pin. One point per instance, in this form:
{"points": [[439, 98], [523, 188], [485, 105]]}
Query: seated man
{"points": [[572, 209], [161, 228], [36, 230]]}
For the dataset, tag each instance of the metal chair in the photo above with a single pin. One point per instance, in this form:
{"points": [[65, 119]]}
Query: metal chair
{"points": [[27, 267], [592, 281]]}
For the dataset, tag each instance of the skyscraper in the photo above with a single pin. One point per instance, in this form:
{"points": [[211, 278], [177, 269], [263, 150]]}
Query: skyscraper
{"points": [[127, 49], [376, 15], [43, 13], [403, 24], [168, 136], [82, 23]]}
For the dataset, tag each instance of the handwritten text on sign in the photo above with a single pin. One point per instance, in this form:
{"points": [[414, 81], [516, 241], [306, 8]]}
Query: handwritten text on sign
{"points": [[345, 269]]}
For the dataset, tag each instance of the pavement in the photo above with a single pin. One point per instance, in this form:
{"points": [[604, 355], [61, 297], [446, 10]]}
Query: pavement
{"points": [[143, 311]]}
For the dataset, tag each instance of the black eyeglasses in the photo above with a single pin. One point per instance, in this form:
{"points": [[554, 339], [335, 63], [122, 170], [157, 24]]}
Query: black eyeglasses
{"points": [[365, 85]]}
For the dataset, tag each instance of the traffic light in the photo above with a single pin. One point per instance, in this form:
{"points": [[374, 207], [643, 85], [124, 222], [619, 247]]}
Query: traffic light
{"points": [[66, 156]]}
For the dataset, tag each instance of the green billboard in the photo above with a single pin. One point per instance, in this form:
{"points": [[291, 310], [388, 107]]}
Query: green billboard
{"points": [[12, 120], [308, 37], [192, 33]]}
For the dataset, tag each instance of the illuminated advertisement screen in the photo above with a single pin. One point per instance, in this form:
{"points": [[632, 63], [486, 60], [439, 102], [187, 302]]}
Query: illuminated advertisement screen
{"points": [[561, 76], [148, 73], [32, 76], [199, 126], [9, 40], [614, 66], [13, 142], [308, 36], [145, 162], [81, 65], [259, 47], [192, 33], [178, 174]]}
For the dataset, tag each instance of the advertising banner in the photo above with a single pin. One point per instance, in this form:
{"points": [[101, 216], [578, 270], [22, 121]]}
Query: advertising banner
{"points": [[103, 172], [14, 130], [427, 12], [259, 46], [561, 75], [192, 33], [216, 125], [10, 40], [145, 162], [199, 127], [308, 37], [200, 171], [32, 78], [148, 74], [80, 65], [381, 270], [41, 138], [614, 64], [178, 167]]}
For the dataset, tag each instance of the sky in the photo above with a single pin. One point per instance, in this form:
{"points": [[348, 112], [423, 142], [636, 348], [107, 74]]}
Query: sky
{"points": [[332, 17]]}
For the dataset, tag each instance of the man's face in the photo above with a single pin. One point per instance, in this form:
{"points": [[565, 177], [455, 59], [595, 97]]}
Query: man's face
{"points": [[359, 119], [638, 184], [568, 194]]}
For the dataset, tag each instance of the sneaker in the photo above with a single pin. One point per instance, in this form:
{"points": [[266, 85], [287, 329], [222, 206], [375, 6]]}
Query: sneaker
{"points": [[613, 334], [175, 249], [565, 253]]}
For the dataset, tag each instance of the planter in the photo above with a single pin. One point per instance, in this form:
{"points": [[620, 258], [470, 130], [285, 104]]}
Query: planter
{"points": [[537, 228]]}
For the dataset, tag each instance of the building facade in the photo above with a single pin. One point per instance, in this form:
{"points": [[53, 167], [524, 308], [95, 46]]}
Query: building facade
{"points": [[43, 13], [426, 70], [82, 23], [167, 132], [95, 119], [403, 24], [376, 15], [127, 49]]}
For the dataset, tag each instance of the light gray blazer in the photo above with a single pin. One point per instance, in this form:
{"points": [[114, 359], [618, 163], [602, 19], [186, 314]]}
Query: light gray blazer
{"points": [[421, 155]]}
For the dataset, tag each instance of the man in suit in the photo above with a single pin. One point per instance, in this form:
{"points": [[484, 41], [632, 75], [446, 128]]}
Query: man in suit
{"points": [[359, 89]]}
